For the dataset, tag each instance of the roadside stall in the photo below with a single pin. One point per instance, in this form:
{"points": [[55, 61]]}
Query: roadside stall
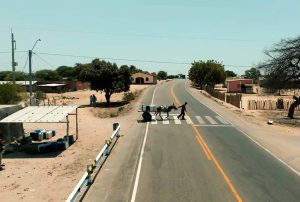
{"points": [[45, 114]]}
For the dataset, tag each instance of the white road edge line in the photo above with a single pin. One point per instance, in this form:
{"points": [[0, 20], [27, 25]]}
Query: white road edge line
{"points": [[257, 143], [136, 182], [268, 151], [137, 176]]}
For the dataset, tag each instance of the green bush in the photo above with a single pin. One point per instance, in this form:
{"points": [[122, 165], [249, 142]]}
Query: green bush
{"points": [[39, 96], [129, 96], [10, 94], [120, 109], [113, 114]]}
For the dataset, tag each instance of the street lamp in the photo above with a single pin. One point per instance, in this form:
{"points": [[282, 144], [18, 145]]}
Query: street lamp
{"points": [[30, 71]]}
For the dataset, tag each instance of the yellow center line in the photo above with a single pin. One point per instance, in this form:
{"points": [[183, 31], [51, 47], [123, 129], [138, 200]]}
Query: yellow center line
{"points": [[210, 155], [202, 145]]}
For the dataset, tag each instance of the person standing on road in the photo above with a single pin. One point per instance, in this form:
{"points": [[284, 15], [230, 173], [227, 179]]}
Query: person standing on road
{"points": [[183, 110]]}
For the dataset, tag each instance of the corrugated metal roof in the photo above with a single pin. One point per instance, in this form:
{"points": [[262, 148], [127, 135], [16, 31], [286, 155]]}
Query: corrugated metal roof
{"points": [[40, 114], [52, 85], [23, 83]]}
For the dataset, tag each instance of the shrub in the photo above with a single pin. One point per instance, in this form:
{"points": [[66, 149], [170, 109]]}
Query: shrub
{"points": [[120, 109], [40, 95], [10, 93], [129, 96], [113, 114]]}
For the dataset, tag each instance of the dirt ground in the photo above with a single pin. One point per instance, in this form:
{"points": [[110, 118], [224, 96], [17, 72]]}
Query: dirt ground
{"points": [[53, 177], [276, 117]]}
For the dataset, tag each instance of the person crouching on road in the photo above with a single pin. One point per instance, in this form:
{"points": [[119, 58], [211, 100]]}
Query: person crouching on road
{"points": [[183, 110]]}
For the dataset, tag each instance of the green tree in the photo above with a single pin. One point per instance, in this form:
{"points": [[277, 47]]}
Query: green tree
{"points": [[230, 73], [253, 73], [47, 75], [107, 77], [181, 76], [78, 69], [8, 76], [65, 71], [282, 68], [20, 76], [3, 75], [208, 73], [162, 75], [10, 94], [172, 77]]}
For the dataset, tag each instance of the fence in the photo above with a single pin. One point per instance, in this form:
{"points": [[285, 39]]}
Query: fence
{"points": [[87, 178], [270, 105], [267, 104], [234, 99], [231, 98]]}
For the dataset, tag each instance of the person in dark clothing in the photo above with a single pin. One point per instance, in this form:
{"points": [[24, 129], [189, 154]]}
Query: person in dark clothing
{"points": [[146, 115], [1, 154], [91, 100], [94, 100], [183, 110]]}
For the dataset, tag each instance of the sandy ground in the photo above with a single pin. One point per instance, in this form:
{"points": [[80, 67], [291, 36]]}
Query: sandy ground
{"points": [[53, 177], [278, 117]]}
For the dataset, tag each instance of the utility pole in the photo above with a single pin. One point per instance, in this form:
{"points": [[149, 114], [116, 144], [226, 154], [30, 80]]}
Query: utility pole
{"points": [[30, 71], [30, 77], [13, 63]]}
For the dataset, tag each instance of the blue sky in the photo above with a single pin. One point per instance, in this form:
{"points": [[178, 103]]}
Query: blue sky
{"points": [[136, 32]]}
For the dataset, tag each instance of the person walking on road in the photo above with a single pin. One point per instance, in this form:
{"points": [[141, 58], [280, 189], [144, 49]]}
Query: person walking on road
{"points": [[183, 110]]}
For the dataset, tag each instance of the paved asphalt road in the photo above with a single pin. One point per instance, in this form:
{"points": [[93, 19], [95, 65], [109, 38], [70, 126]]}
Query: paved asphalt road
{"points": [[202, 158]]}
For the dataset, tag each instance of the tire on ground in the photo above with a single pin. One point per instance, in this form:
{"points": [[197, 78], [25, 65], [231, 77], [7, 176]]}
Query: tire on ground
{"points": [[147, 116]]}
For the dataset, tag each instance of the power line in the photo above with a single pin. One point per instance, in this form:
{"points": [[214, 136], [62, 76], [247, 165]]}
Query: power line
{"points": [[143, 35], [15, 51], [130, 60], [22, 56], [25, 63], [110, 58], [19, 58], [2, 65], [44, 61]]}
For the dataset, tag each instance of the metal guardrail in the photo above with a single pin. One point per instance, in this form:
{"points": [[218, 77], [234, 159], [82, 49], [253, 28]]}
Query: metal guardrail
{"points": [[86, 179]]}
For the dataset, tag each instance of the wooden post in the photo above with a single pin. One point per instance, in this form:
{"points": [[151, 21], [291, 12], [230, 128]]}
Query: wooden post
{"points": [[67, 125], [76, 123]]}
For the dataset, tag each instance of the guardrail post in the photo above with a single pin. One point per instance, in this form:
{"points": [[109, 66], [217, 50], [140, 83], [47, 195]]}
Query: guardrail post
{"points": [[87, 178], [89, 170], [94, 165], [115, 126]]}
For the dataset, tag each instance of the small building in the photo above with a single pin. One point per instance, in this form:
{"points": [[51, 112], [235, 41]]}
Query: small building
{"points": [[52, 88], [62, 86], [143, 78], [74, 85], [238, 85]]}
